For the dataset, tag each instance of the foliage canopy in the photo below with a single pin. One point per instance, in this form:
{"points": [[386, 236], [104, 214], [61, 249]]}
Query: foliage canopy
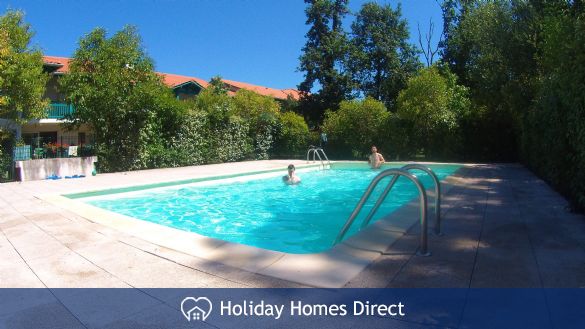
{"points": [[22, 80]]}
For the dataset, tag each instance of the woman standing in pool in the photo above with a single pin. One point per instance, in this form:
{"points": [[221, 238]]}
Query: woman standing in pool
{"points": [[291, 178], [375, 159]]}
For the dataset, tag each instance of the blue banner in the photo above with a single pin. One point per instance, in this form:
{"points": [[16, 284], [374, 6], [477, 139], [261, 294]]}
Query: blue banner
{"points": [[292, 308]]}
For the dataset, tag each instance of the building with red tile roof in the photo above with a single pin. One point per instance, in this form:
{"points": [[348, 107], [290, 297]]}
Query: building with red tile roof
{"points": [[60, 65], [56, 65], [185, 86], [279, 94], [175, 80]]}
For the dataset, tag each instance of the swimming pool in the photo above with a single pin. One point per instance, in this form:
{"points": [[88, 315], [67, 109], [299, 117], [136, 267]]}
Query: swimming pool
{"points": [[262, 211]]}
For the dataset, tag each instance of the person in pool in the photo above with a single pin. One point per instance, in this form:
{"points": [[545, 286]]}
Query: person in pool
{"points": [[375, 159], [291, 178]]}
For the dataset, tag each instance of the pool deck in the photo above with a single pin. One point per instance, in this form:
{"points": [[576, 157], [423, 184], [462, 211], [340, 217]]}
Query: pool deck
{"points": [[503, 228]]}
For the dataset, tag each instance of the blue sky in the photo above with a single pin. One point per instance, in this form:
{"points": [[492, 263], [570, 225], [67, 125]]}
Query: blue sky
{"points": [[255, 41]]}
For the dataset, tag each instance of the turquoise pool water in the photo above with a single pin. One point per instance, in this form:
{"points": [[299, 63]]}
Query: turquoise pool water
{"points": [[264, 212]]}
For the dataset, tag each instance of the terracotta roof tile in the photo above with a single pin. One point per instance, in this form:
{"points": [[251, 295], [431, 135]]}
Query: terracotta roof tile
{"points": [[63, 61], [171, 80], [295, 94], [174, 80], [265, 91]]}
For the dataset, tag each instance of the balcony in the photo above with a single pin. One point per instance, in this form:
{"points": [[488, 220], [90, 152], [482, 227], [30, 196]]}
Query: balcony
{"points": [[59, 110]]}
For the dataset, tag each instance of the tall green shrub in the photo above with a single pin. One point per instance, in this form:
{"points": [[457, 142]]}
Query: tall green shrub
{"points": [[355, 127], [229, 141], [553, 132], [227, 133], [5, 165], [292, 139], [261, 113], [192, 142], [434, 104]]}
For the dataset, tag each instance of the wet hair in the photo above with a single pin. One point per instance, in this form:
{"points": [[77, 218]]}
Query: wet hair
{"points": [[291, 166]]}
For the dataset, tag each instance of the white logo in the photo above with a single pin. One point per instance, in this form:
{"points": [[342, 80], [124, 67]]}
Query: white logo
{"points": [[196, 308]]}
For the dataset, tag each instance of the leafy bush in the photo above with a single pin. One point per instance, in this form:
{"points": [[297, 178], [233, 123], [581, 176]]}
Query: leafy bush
{"points": [[434, 104], [190, 145], [553, 130], [293, 136], [5, 166], [396, 138], [355, 127], [229, 141], [261, 113]]}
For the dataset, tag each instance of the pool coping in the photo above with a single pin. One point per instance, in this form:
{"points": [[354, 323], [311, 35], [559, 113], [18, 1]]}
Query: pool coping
{"points": [[134, 188], [330, 269]]}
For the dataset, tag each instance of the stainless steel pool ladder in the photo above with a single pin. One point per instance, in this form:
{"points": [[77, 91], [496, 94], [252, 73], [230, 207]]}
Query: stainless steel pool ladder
{"points": [[317, 152], [396, 173], [430, 172]]}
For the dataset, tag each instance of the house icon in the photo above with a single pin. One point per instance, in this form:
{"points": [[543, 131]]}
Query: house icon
{"points": [[196, 309], [197, 313]]}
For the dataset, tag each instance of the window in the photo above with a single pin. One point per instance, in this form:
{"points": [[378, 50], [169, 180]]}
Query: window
{"points": [[81, 138], [48, 136]]}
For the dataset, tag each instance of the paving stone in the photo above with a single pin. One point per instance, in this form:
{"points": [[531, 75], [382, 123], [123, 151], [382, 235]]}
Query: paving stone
{"points": [[379, 273], [561, 268], [503, 267], [73, 271]]}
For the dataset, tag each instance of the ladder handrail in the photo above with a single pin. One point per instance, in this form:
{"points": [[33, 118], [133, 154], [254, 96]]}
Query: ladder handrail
{"points": [[319, 156], [315, 152], [431, 173], [407, 167], [381, 199], [324, 155], [311, 149], [422, 205]]}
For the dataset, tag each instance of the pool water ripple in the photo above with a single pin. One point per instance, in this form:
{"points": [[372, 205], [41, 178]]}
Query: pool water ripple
{"points": [[265, 212]]}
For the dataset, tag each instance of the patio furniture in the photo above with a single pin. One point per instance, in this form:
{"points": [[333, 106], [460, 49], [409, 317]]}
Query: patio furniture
{"points": [[39, 153]]}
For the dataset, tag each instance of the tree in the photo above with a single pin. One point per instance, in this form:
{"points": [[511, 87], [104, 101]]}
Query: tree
{"points": [[426, 47], [22, 80], [493, 50], [434, 103], [453, 51], [4, 52], [553, 128], [354, 127], [324, 58], [115, 90], [217, 85], [382, 59]]}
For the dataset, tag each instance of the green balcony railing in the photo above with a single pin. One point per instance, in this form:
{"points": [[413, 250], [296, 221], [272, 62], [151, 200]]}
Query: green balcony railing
{"points": [[59, 110]]}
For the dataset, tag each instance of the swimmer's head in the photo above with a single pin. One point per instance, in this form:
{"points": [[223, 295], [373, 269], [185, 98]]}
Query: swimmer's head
{"points": [[291, 168], [374, 149]]}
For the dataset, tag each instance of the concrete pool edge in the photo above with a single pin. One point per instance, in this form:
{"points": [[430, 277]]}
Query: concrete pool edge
{"points": [[333, 268], [135, 188]]}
